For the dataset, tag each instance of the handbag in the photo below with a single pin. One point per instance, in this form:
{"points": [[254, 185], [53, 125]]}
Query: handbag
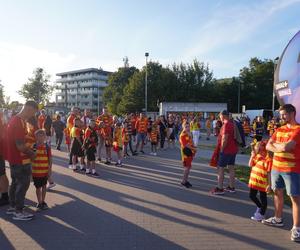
{"points": [[187, 151]]}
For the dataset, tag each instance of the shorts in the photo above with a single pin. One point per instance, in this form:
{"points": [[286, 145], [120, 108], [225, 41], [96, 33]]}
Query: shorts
{"points": [[68, 140], [226, 159], [154, 143], [40, 181], [290, 181], [187, 162], [141, 137], [76, 148], [2, 167], [90, 154]]}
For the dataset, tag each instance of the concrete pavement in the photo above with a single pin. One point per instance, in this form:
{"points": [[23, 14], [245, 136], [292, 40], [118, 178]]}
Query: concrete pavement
{"points": [[142, 206]]}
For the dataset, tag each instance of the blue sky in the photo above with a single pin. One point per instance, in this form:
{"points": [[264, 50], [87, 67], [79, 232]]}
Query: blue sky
{"points": [[67, 35]]}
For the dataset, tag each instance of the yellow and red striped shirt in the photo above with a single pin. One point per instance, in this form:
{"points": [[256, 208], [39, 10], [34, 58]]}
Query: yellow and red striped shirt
{"points": [[154, 135], [259, 172], [287, 161], [40, 165], [141, 125], [186, 139]]}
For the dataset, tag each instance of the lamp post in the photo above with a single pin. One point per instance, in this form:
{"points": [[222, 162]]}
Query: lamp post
{"points": [[239, 96], [273, 96], [146, 83]]}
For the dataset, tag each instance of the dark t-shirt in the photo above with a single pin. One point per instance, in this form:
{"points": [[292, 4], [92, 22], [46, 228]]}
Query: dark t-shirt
{"points": [[58, 126]]}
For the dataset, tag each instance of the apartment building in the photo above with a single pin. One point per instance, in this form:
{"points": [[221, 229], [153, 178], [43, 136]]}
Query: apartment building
{"points": [[81, 88]]}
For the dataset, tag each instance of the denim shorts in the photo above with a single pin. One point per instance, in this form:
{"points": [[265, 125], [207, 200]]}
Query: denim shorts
{"points": [[226, 159], [141, 137], [289, 181]]}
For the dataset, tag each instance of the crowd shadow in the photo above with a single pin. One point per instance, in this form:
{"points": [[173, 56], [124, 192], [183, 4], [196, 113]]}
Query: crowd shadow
{"points": [[80, 224], [198, 199]]}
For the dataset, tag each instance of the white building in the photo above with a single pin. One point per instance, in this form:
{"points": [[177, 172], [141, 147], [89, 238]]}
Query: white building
{"points": [[82, 88], [191, 107]]}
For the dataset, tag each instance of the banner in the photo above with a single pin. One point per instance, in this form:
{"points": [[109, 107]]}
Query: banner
{"points": [[287, 75]]}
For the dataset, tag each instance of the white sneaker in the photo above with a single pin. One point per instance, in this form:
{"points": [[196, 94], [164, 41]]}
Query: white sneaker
{"points": [[10, 210], [51, 185], [22, 216], [155, 154], [70, 166], [295, 236]]}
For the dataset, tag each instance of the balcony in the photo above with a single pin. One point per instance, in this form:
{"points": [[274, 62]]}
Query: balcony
{"points": [[82, 78]]}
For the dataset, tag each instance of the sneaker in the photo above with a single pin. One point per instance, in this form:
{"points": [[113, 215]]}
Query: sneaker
{"points": [[82, 169], [10, 210], [107, 162], [273, 222], [95, 174], [51, 185], [70, 166], [141, 151], [39, 206], [22, 216], [257, 217], [44, 206], [218, 191], [185, 184], [230, 190], [295, 236], [189, 184], [99, 159]]}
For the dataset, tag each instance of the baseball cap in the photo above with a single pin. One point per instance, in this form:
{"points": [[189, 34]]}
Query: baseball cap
{"points": [[224, 112]]}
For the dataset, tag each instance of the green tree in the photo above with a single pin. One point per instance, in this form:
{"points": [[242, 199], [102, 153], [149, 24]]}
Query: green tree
{"points": [[38, 87], [2, 96], [257, 84], [114, 91]]}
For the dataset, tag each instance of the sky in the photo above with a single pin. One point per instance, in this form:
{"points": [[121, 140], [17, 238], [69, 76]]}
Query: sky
{"points": [[62, 35]]}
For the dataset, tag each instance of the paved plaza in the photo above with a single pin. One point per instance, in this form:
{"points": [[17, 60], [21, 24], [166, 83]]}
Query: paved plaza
{"points": [[142, 206]]}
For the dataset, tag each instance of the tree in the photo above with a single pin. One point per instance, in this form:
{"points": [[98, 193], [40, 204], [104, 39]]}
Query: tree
{"points": [[37, 88], [257, 84], [114, 91], [2, 96]]}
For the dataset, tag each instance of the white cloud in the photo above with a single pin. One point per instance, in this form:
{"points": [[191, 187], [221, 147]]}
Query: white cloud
{"points": [[230, 26], [17, 63]]}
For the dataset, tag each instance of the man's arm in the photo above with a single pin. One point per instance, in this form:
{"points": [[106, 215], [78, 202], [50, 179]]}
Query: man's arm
{"points": [[24, 149], [281, 147]]}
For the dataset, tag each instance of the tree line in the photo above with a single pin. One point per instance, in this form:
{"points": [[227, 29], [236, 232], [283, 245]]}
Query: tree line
{"points": [[189, 83], [192, 82]]}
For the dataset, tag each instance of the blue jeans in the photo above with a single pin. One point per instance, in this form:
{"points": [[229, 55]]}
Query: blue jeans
{"points": [[289, 181]]}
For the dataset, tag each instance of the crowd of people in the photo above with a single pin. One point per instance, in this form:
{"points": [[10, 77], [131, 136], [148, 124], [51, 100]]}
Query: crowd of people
{"points": [[275, 160]]}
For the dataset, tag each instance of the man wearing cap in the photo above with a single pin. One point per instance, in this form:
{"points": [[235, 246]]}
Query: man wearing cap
{"points": [[228, 150]]}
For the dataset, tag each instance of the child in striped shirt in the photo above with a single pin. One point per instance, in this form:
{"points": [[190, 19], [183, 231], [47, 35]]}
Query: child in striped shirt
{"points": [[41, 167], [154, 138], [260, 178]]}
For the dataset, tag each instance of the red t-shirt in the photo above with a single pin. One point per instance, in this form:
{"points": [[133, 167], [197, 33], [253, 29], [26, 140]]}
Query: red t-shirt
{"points": [[16, 130], [228, 129]]}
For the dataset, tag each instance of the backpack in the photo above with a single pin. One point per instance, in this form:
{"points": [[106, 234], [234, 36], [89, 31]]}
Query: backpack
{"points": [[239, 134]]}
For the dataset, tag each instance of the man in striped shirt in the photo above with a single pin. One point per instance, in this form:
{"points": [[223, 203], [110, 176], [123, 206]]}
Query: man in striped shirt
{"points": [[285, 143]]}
